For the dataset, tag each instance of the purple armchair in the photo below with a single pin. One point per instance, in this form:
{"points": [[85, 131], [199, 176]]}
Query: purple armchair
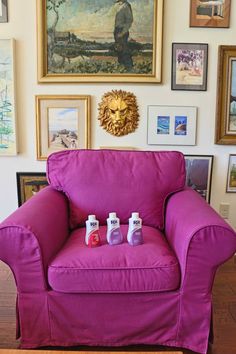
{"points": [[155, 293]]}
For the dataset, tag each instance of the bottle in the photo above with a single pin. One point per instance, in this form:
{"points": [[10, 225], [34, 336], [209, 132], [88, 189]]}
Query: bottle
{"points": [[92, 238], [114, 235], [135, 235]]}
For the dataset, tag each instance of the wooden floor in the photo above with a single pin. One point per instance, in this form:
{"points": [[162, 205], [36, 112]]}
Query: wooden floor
{"points": [[224, 302]]}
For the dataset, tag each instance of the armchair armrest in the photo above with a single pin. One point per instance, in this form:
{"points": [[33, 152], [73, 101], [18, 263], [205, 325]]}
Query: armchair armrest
{"points": [[32, 235], [200, 238]]}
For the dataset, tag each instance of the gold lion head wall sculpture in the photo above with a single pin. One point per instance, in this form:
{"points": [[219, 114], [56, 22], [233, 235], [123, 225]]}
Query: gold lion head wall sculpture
{"points": [[118, 112]]}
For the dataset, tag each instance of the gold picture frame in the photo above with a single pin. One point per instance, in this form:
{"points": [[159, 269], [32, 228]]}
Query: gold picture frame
{"points": [[226, 96], [94, 52], [62, 122], [213, 14]]}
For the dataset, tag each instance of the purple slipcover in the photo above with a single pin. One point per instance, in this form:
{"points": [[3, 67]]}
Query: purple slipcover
{"points": [[98, 182], [149, 267], [33, 235]]}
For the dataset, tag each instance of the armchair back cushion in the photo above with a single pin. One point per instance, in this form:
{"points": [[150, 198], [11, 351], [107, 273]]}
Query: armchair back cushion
{"points": [[102, 181]]}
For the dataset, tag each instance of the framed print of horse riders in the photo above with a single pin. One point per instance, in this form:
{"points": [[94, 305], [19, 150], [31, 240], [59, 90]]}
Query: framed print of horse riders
{"points": [[99, 40]]}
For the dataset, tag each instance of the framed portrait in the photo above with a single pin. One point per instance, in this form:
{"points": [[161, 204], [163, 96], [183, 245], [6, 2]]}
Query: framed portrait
{"points": [[189, 66], [171, 125], [99, 41], [8, 141], [199, 174], [226, 96], [62, 122], [214, 13], [3, 11], [28, 184], [231, 177]]}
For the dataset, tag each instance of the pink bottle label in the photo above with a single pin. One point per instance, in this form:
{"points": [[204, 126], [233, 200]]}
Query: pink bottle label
{"points": [[94, 239]]}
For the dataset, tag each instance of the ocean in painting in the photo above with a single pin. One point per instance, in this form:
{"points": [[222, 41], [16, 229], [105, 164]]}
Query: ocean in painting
{"points": [[163, 125]]}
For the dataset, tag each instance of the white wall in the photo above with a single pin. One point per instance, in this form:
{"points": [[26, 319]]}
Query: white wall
{"points": [[22, 27]]}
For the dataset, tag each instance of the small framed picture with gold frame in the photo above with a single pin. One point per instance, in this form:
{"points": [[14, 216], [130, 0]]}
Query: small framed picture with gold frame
{"points": [[62, 123]]}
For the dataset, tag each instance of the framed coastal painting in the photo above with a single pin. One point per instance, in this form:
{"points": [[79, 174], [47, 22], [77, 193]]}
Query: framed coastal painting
{"points": [[3, 11], [100, 41], [226, 96], [8, 143], [199, 174], [189, 66], [28, 184], [214, 13], [231, 177], [62, 122], [171, 125]]}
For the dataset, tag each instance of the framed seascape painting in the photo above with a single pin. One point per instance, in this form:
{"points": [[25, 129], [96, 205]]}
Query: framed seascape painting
{"points": [[214, 13], [8, 143], [3, 11], [226, 96], [172, 125], [62, 122], [189, 66], [199, 174], [28, 184], [231, 177], [100, 40]]}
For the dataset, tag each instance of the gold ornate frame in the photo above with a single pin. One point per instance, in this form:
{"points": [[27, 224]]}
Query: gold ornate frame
{"points": [[45, 77], [223, 135], [43, 102]]}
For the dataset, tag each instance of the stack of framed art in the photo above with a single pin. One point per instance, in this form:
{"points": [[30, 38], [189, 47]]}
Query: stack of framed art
{"points": [[94, 49]]}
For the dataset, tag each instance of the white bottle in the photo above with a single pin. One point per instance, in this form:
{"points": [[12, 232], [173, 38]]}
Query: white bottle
{"points": [[135, 235], [114, 235], [92, 238]]}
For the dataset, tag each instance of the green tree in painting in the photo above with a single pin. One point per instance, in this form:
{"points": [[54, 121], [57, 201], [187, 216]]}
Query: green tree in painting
{"points": [[5, 121], [53, 5]]}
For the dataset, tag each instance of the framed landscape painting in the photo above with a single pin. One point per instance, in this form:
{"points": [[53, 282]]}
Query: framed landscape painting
{"points": [[189, 66], [199, 174], [172, 125], [8, 143], [62, 122], [231, 178], [3, 11], [28, 184], [99, 41], [226, 96], [214, 13]]}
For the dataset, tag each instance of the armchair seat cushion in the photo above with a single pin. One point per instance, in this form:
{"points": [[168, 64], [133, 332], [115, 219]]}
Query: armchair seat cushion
{"points": [[150, 267]]}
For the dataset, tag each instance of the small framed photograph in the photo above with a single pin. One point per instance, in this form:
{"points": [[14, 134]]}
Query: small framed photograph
{"points": [[226, 96], [172, 125], [199, 174], [231, 178], [8, 139], [63, 122], [28, 184], [205, 13], [189, 66], [3, 11]]}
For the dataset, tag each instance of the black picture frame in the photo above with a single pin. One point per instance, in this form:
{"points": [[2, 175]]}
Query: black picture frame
{"points": [[189, 66], [199, 174], [4, 11], [29, 183]]}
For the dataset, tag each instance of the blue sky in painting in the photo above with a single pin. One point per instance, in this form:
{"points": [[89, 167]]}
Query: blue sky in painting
{"points": [[63, 118]]}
